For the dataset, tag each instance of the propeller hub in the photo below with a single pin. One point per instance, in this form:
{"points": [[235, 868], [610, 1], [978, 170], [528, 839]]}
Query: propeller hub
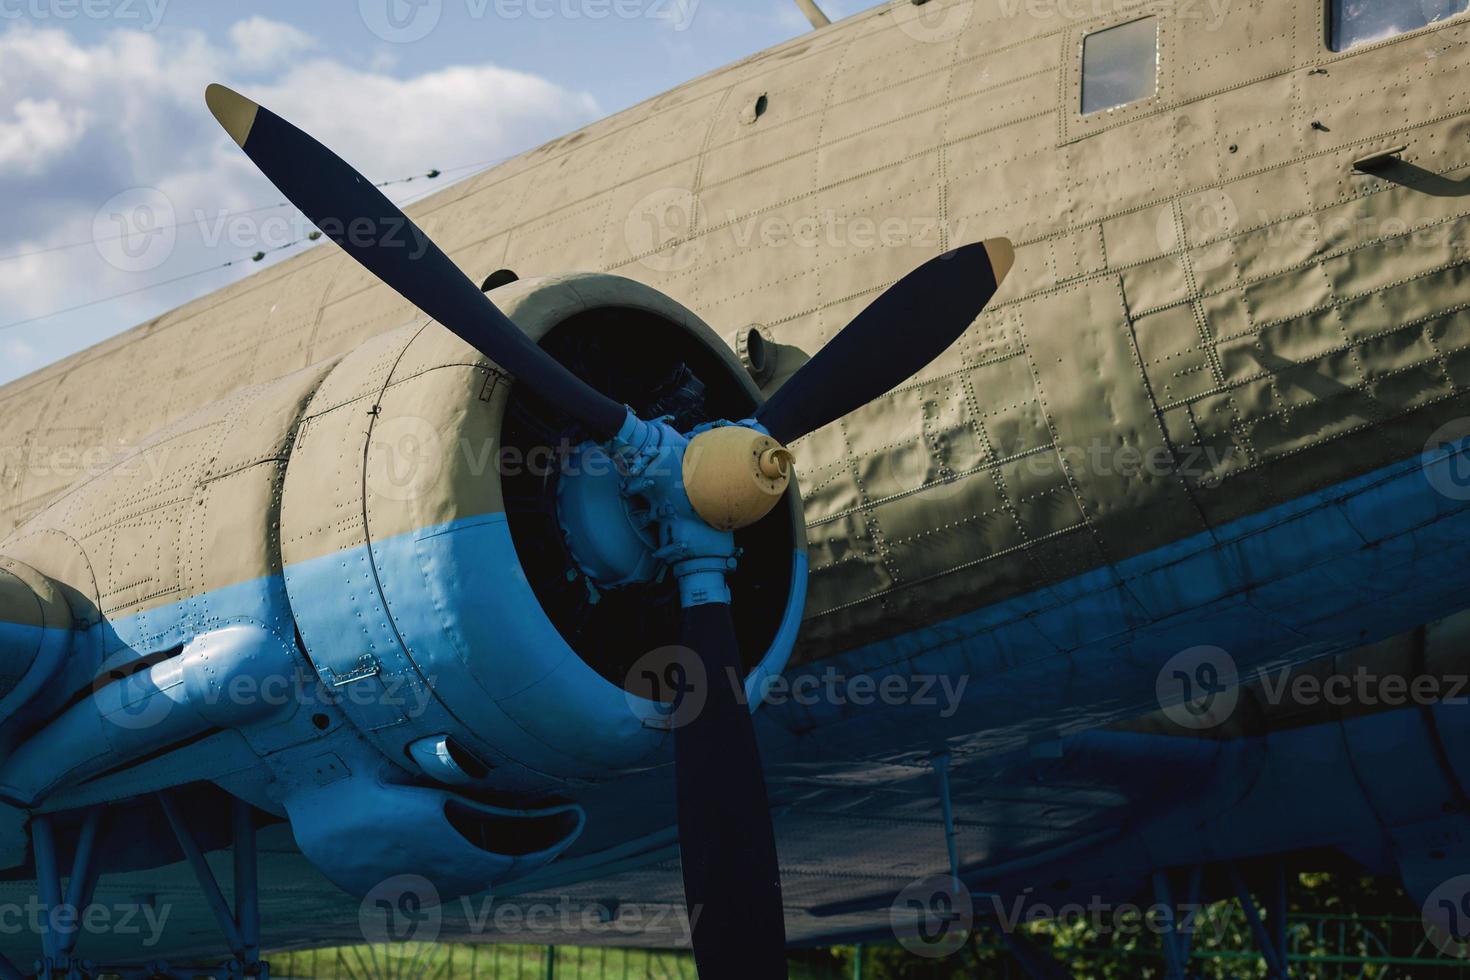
{"points": [[734, 475], [656, 457]]}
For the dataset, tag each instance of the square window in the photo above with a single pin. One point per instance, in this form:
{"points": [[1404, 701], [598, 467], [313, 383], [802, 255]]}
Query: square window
{"points": [[1120, 65], [1357, 22]]}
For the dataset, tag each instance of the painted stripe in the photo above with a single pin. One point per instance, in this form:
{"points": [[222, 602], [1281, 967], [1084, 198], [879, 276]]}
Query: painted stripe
{"points": [[1349, 564], [1354, 562]]}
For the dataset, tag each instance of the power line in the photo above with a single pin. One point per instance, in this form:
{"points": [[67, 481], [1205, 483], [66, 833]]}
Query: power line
{"points": [[429, 175], [254, 257]]}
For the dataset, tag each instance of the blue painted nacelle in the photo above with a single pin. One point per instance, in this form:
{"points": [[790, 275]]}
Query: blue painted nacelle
{"points": [[406, 581], [403, 571], [429, 708]]}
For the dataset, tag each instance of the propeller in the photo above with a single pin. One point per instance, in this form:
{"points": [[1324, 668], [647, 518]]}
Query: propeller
{"points": [[721, 477], [910, 324], [357, 216]]}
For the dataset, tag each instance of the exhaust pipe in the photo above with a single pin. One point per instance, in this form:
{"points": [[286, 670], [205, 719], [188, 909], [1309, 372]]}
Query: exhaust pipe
{"points": [[177, 699]]}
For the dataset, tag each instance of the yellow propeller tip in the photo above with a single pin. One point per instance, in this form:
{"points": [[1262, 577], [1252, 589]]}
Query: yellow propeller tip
{"points": [[1002, 257], [234, 112]]}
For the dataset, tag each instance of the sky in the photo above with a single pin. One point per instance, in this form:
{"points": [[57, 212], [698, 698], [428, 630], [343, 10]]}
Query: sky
{"points": [[123, 199]]}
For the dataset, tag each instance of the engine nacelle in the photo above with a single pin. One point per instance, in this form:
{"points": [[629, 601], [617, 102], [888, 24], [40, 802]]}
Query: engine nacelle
{"points": [[427, 567]]}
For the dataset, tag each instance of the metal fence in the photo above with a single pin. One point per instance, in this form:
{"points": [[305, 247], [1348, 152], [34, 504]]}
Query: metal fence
{"points": [[1321, 947], [456, 962]]}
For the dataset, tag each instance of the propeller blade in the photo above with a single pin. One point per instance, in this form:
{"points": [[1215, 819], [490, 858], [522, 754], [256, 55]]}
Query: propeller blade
{"points": [[357, 216], [727, 847], [905, 328]]}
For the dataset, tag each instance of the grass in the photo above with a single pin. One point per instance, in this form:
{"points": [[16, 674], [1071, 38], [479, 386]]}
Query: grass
{"points": [[464, 962]]}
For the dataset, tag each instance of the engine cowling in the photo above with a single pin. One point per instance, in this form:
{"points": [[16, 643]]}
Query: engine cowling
{"points": [[429, 564]]}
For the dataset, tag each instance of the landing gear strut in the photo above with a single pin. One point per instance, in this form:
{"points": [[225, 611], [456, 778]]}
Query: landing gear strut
{"points": [[61, 918]]}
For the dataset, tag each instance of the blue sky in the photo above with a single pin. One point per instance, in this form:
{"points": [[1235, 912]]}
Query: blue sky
{"points": [[116, 180]]}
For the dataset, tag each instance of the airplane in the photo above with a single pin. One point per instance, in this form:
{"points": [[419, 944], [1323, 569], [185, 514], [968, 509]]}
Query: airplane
{"points": [[975, 459]]}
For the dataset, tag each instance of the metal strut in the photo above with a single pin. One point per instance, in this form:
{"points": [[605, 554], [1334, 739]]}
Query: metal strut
{"points": [[946, 803], [241, 927], [61, 918], [1034, 962], [1272, 941]]}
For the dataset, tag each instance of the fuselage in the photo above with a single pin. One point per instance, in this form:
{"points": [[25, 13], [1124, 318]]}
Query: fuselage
{"points": [[1212, 313], [1215, 403]]}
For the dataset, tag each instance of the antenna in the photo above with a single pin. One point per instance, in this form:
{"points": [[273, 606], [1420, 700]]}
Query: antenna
{"points": [[813, 13]]}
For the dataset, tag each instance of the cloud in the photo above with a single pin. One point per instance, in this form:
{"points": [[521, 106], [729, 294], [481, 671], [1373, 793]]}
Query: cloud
{"points": [[19, 352], [384, 121], [110, 139], [37, 132], [261, 43]]}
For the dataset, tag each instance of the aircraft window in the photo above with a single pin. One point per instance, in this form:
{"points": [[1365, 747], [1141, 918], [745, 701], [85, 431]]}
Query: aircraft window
{"points": [[1362, 21], [1120, 65]]}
